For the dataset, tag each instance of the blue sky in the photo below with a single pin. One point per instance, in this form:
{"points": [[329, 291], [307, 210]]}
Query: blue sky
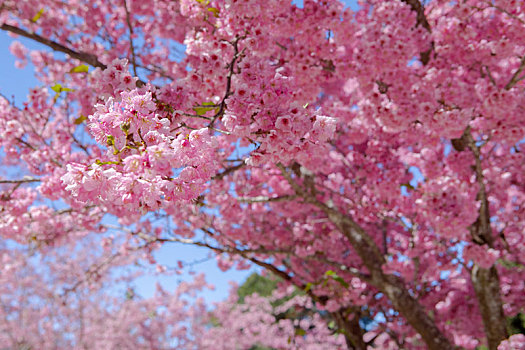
{"points": [[13, 81]]}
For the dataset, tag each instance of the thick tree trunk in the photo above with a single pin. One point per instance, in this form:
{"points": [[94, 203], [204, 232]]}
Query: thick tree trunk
{"points": [[486, 285], [392, 286], [352, 331], [485, 281], [371, 256]]}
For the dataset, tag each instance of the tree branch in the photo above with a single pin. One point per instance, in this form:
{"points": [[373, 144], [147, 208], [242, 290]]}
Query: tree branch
{"points": [[481, 229], [25, 179], [392, 286], [516, 76], [351, 329], [228, 92], [486, 281], [501, 9], [264, 199], [131, 47], [417, 7], [228, 171], [85, 57], [79, 55]]}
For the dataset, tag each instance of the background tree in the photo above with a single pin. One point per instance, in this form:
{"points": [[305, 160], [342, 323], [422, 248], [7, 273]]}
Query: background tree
{"points": [[369, 158], [77, 301]]}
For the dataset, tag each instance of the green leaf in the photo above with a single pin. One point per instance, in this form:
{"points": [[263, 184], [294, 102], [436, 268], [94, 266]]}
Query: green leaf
{"points": [[37, 16], [336, 278], [80, 69], [300, 332], [110, 140], [341, 281], [58, 88], [201, 110], [214, 10], [125, 127], [99, 162], [510, 264], [80, 119], [308, 287]]}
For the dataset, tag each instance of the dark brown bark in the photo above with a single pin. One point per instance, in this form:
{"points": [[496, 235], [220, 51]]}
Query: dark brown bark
{"points": [[392, 286], [486, 281], [417, 7], [352, 330], [79, 55], [85, 57], [487, 287]]}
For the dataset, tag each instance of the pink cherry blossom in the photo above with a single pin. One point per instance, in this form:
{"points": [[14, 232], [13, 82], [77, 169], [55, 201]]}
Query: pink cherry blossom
{"points": [[371, 157]]}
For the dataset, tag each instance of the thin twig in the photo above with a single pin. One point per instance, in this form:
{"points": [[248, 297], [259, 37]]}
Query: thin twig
{"points": [[131, 46], [516, 76], [265, 199], [481, 229], [227, 171], [490, 4], [228, 92]]}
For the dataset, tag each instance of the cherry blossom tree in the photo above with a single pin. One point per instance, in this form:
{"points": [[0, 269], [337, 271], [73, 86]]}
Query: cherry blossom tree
{"points": [[65, 300], [372, 158], [76, 301]]}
